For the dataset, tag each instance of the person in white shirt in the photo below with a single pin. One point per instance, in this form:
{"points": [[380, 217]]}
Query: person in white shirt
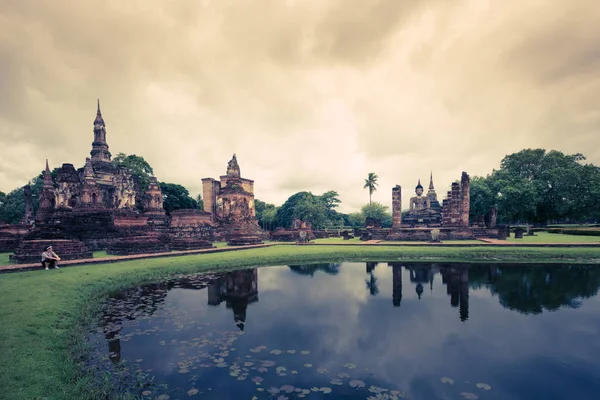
{"points": [[49, 258]]}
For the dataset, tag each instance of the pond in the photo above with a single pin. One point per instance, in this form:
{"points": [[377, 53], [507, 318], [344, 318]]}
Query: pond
{"points": [[357, 331]]}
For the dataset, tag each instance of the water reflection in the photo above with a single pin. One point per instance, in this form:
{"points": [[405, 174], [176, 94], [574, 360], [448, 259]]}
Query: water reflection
{"points": [[330, 327], [237, 289]]}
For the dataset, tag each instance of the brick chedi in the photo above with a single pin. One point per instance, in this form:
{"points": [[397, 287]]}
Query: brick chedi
{"points": [[98, 204], [231, 204]]}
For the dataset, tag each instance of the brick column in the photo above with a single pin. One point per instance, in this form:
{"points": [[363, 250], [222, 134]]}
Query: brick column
{"points": [[465, 200], [396, 207]]}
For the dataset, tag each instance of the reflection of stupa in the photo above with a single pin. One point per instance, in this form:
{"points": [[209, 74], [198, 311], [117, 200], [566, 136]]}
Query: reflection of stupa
{"points": [[421, 274], [238, 289]]}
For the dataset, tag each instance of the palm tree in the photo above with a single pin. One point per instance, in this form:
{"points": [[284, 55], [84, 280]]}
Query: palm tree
{"points": [[371, 184]]}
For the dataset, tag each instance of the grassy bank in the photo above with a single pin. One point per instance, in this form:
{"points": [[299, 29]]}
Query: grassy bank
{"points": [[45, 314]]}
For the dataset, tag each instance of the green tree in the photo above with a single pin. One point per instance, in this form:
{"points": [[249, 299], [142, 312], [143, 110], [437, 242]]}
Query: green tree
{"points": [[378, 211], [176, 197], [538, 186], [356, 219], [265, 213], [138, 167], [371, 184], [200, 202], [12, 207], [306, 207]]}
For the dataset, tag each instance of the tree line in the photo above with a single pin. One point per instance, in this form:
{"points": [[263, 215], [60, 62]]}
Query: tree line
{"points": [[532, 185]]}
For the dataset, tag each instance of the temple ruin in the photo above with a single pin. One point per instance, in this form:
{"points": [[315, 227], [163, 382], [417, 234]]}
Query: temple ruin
{"points": [[230, 202], [425, 213], [102, 206]]}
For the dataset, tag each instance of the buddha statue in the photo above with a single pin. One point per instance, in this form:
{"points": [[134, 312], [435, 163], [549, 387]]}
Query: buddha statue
{"points": [[419, 203]]}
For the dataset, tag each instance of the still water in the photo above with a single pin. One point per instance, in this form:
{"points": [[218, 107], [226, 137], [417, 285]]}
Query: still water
{"points": [[371, 331]]}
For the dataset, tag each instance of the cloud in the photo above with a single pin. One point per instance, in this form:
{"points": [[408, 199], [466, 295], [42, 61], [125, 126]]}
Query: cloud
{"points": [[311, 95]]}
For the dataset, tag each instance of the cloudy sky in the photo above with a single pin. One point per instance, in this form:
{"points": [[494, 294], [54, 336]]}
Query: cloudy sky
{"points": [[310, 94]]}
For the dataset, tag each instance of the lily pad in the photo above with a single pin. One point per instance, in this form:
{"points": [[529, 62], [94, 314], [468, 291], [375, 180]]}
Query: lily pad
{"points": [[291, 351], [325, 390], [308, 365], [447, 380], [349, 365], [305, 352], [356, 383], [469, 395], [287, 388], [276, 352], [483, 386], [343, 375], [336, 381], [322, 370], [257, 379], [192, 392]]}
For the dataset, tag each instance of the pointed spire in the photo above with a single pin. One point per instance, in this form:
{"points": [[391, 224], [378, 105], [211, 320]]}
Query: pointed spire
{"points": [[431, 181], [99, 120], [48, 177], [88, 172]]}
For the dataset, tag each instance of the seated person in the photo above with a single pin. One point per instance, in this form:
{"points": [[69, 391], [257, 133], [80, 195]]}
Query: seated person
{"points": [[49, 258]]}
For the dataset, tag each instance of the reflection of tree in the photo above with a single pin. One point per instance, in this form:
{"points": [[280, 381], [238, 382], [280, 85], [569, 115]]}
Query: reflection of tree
{"points": [[532, 289], [538, 288], [372, 285], [310, 269]]}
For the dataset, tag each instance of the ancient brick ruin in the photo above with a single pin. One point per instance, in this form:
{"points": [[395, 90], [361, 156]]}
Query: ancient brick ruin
{"points": [[426, 214], [102, 206], [230, 201]]}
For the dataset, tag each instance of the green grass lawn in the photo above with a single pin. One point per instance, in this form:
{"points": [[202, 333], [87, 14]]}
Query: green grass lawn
{"points": [[45, 315], [337, 240], [4, 260], [545, 237]]}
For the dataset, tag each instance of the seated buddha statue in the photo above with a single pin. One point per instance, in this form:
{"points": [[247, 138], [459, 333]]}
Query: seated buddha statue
{"points": [[419, 203]]}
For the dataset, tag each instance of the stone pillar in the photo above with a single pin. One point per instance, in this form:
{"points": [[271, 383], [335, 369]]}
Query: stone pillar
{"points": [[208, 195], [465, 200], [493, 217], [396, 207]]}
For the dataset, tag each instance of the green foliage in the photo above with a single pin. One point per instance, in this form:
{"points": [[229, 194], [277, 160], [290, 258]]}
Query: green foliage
{"points": [[378, 211], [176, 197], [538, 186], [356, 219], [137, 165], [318, 210], [371, 184], [12, 205], [200, 202], [266, 214]]}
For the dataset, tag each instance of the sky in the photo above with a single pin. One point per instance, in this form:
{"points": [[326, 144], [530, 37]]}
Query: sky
{"points": [[311, 95]]}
